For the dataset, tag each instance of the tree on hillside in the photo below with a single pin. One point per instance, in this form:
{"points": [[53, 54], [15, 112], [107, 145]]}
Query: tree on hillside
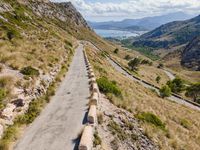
{"points": [[194, 92], [134, 63], [165, 91], [176, 85], [116, 51]]}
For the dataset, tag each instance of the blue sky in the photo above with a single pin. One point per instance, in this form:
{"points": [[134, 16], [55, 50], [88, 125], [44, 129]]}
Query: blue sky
{"points": [[106, 10]]}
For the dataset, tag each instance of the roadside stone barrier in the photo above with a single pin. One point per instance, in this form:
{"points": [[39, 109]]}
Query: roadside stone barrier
{"points": [[86, 142], [92, 114]]}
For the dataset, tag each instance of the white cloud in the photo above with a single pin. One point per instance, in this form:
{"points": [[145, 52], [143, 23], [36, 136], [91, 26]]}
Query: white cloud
{"points": [[134, 8]]}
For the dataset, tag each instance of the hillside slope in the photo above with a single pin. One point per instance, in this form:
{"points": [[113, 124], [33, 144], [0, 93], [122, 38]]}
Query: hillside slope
{"points": [[171, 34], [191, 54]]}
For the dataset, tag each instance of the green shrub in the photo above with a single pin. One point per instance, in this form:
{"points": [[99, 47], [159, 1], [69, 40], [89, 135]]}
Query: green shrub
{"points": [[30, 71], [151, 118], [3, 94], [134, 63], [32, 113], [97, 139], [116, 51], [165, 91], [185, 123], [193, 91], [176, 85], [107, 86], [158, 78], [68, 43]]}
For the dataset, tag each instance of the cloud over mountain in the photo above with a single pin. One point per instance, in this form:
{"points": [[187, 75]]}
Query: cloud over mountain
{"points": [[121, 9]]}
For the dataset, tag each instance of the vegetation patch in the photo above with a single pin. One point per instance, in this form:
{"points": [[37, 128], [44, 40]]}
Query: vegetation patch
{"points": [[165, 91], [30, 71], [151, 118], [97, 139], [176, 85], [116, 129], [185, 123], [107, 86]]}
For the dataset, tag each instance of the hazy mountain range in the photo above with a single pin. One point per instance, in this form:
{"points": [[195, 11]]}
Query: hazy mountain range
{"points": [[147, 23]]}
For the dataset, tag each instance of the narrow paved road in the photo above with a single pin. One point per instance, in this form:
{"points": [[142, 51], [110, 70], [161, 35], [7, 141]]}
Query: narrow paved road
{"points": [[169, 74], [62, 119]]}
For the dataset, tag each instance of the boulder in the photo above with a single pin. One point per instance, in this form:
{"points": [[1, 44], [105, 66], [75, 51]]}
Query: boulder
{"points": [[7, 113], [18, 102]]}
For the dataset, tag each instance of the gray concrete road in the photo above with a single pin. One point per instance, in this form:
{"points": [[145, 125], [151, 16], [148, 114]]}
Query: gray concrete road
{"points": [[62, 119]]}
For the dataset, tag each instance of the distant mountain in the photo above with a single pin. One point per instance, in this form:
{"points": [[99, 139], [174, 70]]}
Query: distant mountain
{"points": [[171, 34], [147, 23], [191, 54]]}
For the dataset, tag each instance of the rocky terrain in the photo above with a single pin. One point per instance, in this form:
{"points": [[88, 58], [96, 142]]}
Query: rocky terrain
{"points": [[35, 50], [119, 129], [191, 55]]}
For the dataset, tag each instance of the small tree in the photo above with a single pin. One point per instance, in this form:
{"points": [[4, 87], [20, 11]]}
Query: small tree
{"points": [[165, 91], [116, 51], [158, 78], [134, 63], [194, 92], [176, 85]]}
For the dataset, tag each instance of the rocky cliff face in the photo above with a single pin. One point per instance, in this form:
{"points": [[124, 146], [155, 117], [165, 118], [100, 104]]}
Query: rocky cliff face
{"points": [[191, 54], [64, 12]]}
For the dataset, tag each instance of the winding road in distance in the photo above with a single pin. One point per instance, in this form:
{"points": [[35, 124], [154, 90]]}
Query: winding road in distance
{"points": [[61, 121], [174, 98]]}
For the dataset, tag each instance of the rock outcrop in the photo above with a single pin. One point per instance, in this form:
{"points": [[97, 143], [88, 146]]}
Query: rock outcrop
{"points": [[191, 55]]}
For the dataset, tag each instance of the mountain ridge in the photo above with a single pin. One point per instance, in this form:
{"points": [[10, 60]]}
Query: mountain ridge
{"points": [[147, 23]]}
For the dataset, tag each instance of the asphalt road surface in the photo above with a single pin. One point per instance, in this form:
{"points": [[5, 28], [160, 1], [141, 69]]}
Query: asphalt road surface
{"points": [[61, 121]]}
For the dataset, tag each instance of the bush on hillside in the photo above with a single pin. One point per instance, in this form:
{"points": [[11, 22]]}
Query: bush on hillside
{"points": [[165, 91], [158, 78], [134, 63], [151, 118], [30, 71], [107, 86], [194, 92], [176, 85], [3, 94], [116, 51]]}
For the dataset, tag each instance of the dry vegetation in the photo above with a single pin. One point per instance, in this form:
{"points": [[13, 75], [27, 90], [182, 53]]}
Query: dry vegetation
{"points": [[173, 62], [27, 40], [181, 123], [145, 72]]}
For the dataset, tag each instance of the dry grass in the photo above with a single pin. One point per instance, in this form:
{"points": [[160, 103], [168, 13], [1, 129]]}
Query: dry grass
{"points": [[174, 64], [137, 99], [145, 72]]}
